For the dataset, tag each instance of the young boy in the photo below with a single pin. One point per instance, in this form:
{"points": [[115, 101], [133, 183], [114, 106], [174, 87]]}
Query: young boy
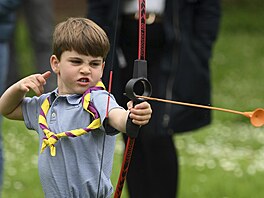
{"points": [[68, 120]]}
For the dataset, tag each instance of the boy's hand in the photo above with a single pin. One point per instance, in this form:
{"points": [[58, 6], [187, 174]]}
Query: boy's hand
{"points": [[34, 82], [140, 113]]}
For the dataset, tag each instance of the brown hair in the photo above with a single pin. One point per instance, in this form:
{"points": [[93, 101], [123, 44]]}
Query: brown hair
{"points": [[81, 35]]}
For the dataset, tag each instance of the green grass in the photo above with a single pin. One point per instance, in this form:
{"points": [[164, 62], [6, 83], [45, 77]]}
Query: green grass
{"points": [[20, 149], [223, 160]]}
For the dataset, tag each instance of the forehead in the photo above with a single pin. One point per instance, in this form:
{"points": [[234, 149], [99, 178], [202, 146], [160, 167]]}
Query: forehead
{"points": [[74, 54]]}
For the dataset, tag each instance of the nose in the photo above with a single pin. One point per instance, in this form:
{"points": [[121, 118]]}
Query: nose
{"points": [[85, 69]]}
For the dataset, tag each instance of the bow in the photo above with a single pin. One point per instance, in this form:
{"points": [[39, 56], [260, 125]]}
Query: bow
{"points": [[138, 82], [139, 79]]}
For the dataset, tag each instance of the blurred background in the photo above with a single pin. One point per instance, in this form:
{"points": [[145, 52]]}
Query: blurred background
{"points": [[223, 160]]}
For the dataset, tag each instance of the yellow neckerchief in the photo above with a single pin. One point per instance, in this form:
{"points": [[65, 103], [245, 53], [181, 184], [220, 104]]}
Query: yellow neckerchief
{"points": [[51, 138]]}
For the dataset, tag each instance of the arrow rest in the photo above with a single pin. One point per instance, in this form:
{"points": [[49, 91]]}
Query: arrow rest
{"points": [[139, 84]]}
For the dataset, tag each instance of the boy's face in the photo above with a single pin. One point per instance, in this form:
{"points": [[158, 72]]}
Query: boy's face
{"points": [[76, 72]]}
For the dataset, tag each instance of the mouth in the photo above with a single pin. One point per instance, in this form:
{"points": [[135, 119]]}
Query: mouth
{"points": [[83, 81]]}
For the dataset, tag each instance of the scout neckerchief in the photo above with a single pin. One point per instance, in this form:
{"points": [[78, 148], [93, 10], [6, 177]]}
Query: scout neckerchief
{"points": [[51, 138]]}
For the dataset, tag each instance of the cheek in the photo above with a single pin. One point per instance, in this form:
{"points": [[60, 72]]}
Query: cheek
{"points": [[68, 73]]}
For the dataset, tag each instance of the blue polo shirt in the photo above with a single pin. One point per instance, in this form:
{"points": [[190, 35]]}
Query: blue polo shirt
{"points": [[74, 171]]}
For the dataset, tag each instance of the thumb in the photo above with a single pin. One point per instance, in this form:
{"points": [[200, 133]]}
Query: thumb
{"points": [[130, 104], [46, 75]]}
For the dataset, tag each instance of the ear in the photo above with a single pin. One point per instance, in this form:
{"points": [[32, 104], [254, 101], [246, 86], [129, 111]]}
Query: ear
{"points": [[54, 62]]}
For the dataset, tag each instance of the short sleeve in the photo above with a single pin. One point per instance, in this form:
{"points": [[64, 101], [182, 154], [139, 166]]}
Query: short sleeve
{"points": [[100, 100], [31, 110]]}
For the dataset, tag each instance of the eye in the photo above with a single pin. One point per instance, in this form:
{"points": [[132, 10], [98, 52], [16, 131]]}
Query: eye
{"points": [[76, 61], [95, 64]]}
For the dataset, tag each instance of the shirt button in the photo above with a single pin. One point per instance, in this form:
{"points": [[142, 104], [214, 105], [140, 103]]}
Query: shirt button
{"points": [[53, 115]]}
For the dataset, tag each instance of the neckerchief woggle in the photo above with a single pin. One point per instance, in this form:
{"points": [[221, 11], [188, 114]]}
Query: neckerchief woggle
{"points": [[50, 138]]}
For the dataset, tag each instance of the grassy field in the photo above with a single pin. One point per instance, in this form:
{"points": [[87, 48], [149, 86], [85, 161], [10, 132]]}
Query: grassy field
{"points": [[223, 160]]}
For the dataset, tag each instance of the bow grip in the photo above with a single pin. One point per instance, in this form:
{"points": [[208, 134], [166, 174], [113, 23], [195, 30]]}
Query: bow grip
{"points": [[132, 129]]}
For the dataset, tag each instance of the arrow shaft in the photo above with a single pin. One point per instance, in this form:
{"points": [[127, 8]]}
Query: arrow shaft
{"points": [[192, 105]]}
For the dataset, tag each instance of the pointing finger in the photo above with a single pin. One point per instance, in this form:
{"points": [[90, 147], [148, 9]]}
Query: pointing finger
{"points": [[46, 75]]}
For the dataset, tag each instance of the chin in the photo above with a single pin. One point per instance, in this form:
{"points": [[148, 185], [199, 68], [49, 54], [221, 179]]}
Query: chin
{"points": [[81, 90]]}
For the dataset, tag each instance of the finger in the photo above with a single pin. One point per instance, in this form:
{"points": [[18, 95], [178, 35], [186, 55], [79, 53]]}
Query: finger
{"points": [[130, 104], [142, 105], [140, 117], [38, 90], [141, 112], [46, 75], [41, 89], [140, 123], [24, 88], [43, 77], [140, 120], [36, 87], [40, 80]]}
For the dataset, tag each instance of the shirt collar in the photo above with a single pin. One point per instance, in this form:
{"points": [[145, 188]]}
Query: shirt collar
{"points": [[72, 99]]}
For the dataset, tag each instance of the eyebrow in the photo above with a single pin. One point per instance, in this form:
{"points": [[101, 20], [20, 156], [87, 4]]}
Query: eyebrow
{"points": [[99, 60], [77, 57]]}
